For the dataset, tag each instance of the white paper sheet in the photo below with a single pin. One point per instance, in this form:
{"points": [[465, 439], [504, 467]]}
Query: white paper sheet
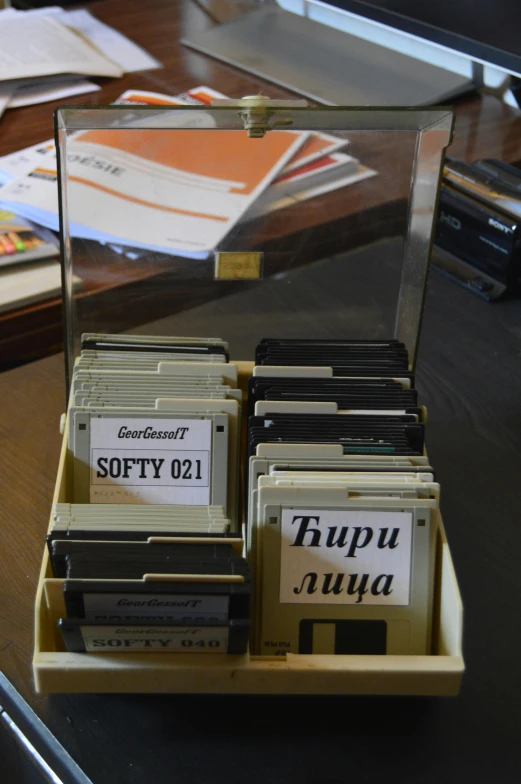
{"points": [[144, 190], [38, 45], [329, 173], [22, 287], [21, 162], [43, 90], [113, 44], [268, 204], [171, 207], [128, 55]]}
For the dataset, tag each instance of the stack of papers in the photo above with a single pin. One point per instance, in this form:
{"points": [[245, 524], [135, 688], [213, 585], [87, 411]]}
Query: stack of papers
{"points": [[45, 52], [175, 192], [178, 192], [33, 283], [44, 56]]}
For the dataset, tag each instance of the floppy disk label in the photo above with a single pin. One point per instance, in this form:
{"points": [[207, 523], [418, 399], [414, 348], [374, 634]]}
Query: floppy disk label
{"points": [[124, 638], [160, 461], [105, 606], [345, 557]]}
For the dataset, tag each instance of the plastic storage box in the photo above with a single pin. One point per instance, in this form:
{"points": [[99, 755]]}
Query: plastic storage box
{"points": [[247, 219]]}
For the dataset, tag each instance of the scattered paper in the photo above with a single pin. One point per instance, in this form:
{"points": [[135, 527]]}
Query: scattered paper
{"points": [[272, 201], [330, 172], [115, 46], [128, 55], [173, 191], [314, 148], [319, 170], [33, 45], [146, 98], [36, 282], [42, 90], [20, 163]]}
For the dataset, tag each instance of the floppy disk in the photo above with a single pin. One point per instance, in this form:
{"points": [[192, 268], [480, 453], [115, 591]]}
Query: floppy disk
{"points": [[132, 554], [140, 600], [104, 637], [109, 340], [340, 575], [144, 456]]}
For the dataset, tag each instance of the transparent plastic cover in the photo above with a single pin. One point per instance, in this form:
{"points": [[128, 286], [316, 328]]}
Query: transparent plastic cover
{"points": [[243, 223]]}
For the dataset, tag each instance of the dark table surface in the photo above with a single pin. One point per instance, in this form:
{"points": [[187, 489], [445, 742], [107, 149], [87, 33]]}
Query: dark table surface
{"points": [[469, 376]]}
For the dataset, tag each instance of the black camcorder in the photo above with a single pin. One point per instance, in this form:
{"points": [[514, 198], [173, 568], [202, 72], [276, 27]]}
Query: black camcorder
{"points": [[477, 241]]}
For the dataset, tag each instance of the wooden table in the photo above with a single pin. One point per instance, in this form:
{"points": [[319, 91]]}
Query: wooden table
{"points": [[484, 128], [469, 377]]}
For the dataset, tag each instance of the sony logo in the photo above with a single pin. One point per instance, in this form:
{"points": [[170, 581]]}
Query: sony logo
{"points": [[500, 226]]}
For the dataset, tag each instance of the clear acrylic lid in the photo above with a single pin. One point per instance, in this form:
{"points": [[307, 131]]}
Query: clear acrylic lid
{"points": [[247, 219]]}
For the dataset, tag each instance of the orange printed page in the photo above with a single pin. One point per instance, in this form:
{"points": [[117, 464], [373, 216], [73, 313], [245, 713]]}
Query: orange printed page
{"points": [[316, 146], [330, 172], [179, 191], [147, 99], [203, 95], [326, 162], [220, 155], [198, 95]]}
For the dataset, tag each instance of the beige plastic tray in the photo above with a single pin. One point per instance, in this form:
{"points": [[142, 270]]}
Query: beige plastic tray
{"points": [[57, 671]]}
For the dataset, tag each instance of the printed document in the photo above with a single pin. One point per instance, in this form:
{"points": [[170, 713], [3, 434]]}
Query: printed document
{"points": [[31, 92], [38, 45], [174, 191]]}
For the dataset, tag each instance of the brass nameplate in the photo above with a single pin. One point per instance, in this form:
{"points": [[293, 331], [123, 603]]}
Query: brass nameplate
{"points": [[238, 266]]}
